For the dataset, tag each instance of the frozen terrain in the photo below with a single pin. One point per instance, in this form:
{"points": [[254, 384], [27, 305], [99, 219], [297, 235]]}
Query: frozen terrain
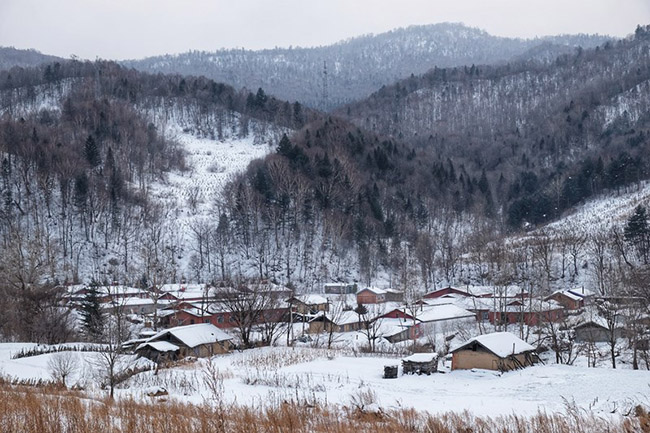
{"points": [[318, 376], [212, 164]]}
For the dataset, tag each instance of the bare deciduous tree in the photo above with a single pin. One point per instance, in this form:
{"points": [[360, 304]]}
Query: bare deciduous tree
{"points": [[61, 365]]}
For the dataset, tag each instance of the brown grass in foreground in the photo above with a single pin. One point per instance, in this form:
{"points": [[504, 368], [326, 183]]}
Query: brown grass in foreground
{"points": [[50, 410]]}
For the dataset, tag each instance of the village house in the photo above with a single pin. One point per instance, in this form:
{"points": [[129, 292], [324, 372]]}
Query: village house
{"points": [[446, 291], [371, 295], [200, 340], [530, 312], [308, 304], [340, 288], [500, 351], [347, 321], [113, 293], [568, 299], [479, 306], [446, 313], [137, 306], [396, 330]]}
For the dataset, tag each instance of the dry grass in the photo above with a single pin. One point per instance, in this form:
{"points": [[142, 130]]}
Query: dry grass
{"points": [[49, 410]]}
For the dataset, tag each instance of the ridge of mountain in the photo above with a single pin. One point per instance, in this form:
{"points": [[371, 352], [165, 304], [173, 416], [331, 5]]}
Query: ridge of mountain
{"points": [[545, 135], [11, 57], [358, 66]]}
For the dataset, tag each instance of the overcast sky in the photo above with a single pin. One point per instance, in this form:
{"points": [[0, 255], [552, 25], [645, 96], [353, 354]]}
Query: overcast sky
{"points": [[119, 29]]}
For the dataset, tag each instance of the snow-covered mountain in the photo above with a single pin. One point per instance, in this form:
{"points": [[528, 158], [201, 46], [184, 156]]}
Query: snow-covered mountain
{"points": [[356, 67]]}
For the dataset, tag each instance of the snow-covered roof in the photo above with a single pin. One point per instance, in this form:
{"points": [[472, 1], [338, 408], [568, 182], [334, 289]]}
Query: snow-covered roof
{"points": [[501, 344], [197, 312], [344, 318], [437, 313], [119, 291], [499, 291], [188, 294], [569, 294], [182, 287], [347, 317], [582, 292], [442, 312], [421, 357], [312, 299], [165, 313], [534, 305], [395, 291], [160, 346], [443, 300], [375, 290], [473, 304], [390, 327], [194, 335]]}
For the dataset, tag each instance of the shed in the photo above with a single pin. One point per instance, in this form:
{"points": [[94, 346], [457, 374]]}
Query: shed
{"points": [[340, 288], [420, 363], [501, 351], [595, 330]]}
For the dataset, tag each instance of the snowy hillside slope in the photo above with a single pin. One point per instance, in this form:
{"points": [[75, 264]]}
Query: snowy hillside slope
{"points": [[606, 211], [211, 164]]}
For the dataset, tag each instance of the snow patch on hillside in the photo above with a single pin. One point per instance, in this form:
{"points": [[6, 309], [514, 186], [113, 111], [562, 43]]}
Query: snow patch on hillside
{"points": [[606, 211], [212, 164]]}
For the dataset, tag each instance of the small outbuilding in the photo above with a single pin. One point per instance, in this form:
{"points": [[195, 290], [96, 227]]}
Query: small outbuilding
{"points": [[596, 330], [420, 363], [500, 351]]}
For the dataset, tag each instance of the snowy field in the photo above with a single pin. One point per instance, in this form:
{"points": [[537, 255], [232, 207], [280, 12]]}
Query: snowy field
{"points": [[318, 376]]}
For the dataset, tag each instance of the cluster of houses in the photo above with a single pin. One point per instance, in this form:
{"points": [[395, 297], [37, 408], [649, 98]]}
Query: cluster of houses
{"points": [[193, 321]]}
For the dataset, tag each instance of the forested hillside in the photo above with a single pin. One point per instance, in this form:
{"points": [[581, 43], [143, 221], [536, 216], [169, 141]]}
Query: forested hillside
{"points": [[413, 187], [359, 66], [10, 57], [82, 145], [543, 136]]}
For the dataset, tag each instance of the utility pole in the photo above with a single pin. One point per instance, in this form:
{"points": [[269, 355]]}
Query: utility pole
{"points": [[325, 96]]}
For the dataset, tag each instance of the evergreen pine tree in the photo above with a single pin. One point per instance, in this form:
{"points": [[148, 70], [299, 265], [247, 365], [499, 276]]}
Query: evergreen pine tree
{"points": [[637, 232], [92, 152], [285, 147], [92, 317]]}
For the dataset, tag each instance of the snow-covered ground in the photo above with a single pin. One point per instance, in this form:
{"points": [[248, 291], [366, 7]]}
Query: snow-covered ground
{"points": [[605, 211], [319, 376], [37, 367], [212, 164]]}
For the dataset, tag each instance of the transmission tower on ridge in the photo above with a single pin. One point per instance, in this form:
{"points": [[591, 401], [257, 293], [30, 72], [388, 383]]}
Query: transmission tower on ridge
{"points": [[325, 91]]}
